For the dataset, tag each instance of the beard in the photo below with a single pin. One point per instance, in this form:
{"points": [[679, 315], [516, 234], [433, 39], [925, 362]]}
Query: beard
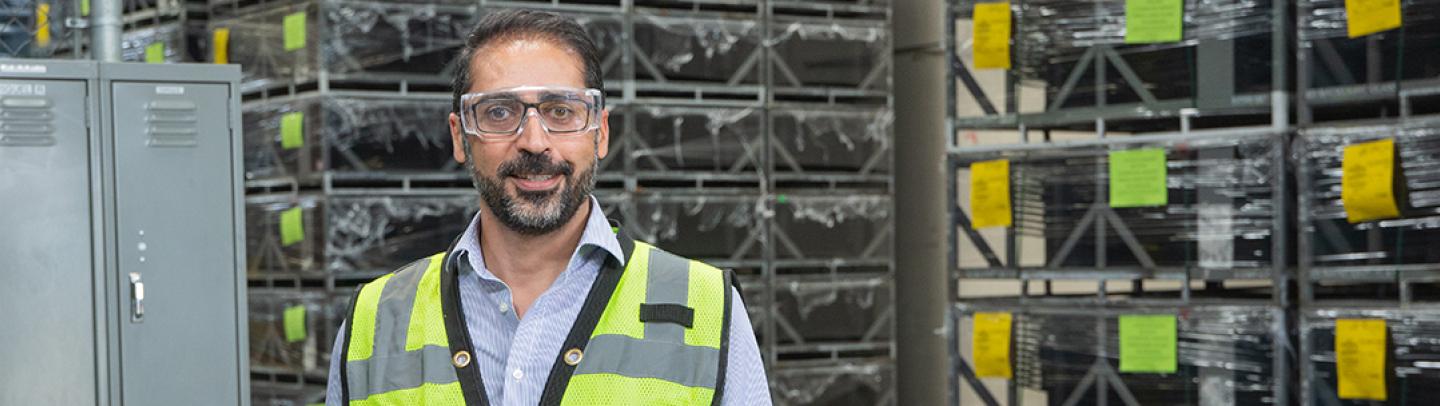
{"points": [[533, 213]]}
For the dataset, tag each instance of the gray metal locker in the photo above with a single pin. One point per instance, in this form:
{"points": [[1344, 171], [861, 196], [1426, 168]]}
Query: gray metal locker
{"points": [[121, 232]]}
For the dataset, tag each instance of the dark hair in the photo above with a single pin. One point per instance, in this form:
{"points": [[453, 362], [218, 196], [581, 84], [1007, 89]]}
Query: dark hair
{"points": [[520, 23]]}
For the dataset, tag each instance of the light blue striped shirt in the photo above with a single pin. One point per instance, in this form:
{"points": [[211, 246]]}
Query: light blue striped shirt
{"points": [[515, 355]]}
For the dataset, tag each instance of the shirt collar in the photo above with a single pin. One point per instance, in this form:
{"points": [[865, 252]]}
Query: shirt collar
{"points": [[597, 234]]}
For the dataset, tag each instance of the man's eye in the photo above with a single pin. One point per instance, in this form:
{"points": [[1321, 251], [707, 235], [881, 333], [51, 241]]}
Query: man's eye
{"points": [[561, 112], [498, 113]]}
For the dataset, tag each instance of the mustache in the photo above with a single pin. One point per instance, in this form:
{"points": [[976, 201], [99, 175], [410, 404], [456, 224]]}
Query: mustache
{"points": [[533, 164]]}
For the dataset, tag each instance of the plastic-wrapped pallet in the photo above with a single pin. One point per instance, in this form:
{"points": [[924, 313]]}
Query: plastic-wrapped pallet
{"points": [[719, 229], [814, 310], [1410, 357], [1219, 214], [1338, 61], [698, 141], [1225, 354], [36, 28], [349, 134], [805, 225], [849, 140], [1056, 39], [298, 42], [355, 234], [844, 382], [168, 39], [292, 330], [1383, 245], [677, 46], [831, 54]]}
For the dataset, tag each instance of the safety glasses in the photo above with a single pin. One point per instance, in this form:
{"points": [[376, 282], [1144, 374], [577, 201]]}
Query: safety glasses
{"points": [[501, 115]]}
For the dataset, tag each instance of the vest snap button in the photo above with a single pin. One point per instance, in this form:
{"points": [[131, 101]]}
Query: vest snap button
{"points": [[461, 359], [573, 357]]}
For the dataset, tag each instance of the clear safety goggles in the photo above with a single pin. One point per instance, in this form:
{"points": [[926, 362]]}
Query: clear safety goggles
{"points": [[500, 115]]}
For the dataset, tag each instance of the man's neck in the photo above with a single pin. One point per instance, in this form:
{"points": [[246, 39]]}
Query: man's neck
{"points": [[529, 264]]}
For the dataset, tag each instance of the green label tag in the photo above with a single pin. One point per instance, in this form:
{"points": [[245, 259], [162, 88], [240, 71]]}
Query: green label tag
{"points": [[155, 53], [292, 227], [1147, 343], [1137, 178], [292, 130], [295, 323], [85, 8], [1152, 21], [295, 31]]}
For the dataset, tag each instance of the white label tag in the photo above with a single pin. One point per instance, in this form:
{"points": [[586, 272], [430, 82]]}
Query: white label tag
{"points": [[171, 90], [22, 89], [22, 68]]}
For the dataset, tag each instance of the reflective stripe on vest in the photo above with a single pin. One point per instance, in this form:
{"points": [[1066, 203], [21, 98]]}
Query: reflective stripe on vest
{"points": [[631, 362], [399, 352]]}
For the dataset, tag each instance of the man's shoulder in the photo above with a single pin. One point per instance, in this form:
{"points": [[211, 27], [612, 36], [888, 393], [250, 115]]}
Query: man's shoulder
{"points": [[412, 270]]}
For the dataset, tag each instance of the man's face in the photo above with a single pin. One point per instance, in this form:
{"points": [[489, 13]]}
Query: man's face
{"points": [[533, 183]]}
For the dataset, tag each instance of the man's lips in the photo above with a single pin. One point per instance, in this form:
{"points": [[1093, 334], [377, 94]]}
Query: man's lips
{"points": [[536, 183]]}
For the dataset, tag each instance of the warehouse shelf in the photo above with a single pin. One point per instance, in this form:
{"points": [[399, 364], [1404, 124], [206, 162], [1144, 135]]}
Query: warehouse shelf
{"points": [[272, 394], [1409, 352], [829, 54], [1224, 214], [839, 382], [825, 314], [351, 233], [1229, 353], [283, 342], [1080, 72], [1383, 74], [1391, 254]]}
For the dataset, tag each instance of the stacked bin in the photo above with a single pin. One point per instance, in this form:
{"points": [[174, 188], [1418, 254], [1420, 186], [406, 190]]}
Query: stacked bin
{"points": [[1367, 86], [1375, 270], [743, 133], [1053, 92]]}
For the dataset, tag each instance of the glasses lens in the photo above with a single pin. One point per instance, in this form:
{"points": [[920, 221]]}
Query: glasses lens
{"points": [[565, 115], [497, 115]]}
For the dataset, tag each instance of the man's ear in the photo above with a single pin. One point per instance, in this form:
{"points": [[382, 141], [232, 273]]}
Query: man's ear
{"points": [[602, 143], [458, 143]]}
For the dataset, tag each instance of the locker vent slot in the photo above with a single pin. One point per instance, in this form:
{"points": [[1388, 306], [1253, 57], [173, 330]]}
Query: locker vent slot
{"points": [[171, 123], [26, 121]]}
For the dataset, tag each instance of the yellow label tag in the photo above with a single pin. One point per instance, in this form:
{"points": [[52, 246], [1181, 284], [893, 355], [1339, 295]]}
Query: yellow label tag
{"points": [[1360, 358], [220, 46], [990, 193], [990, 345], [294, 31], [991, 35], [1367, 181], [292, 130], [294, 320], [155, 53], [292, 226], [42, 24], [1365, 17]]}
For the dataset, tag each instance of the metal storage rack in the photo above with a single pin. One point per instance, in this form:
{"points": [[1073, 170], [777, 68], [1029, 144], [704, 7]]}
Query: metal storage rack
{"points": [[1226, 217], [759, 128], [1229, 353], [1386, 74]]}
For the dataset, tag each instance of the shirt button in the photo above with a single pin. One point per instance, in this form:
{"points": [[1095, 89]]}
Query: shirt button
{"points": [[518, 374], [504, 307]]}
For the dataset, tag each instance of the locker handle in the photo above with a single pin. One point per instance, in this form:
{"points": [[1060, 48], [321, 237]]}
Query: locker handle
{"points": [[137, 298]]}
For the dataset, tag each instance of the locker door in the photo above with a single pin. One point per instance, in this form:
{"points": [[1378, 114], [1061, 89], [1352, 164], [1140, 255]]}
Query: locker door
{"points": [[47, 320], [175, 193]]}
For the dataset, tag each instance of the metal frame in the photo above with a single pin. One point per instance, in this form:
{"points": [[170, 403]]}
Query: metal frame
{"points": [[1096, 61], [1326, 60], [1102, 377], [1313, 317], [1102, 219]]}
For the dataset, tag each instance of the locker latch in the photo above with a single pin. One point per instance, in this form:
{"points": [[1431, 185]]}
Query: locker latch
{"points": [[137, 298]]}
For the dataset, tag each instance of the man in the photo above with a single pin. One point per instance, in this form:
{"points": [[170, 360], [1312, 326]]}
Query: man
{"points": [[542, 300]]}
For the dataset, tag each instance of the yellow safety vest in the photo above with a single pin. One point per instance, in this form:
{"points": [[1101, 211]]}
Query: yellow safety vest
{"points": [[651, 332]]}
